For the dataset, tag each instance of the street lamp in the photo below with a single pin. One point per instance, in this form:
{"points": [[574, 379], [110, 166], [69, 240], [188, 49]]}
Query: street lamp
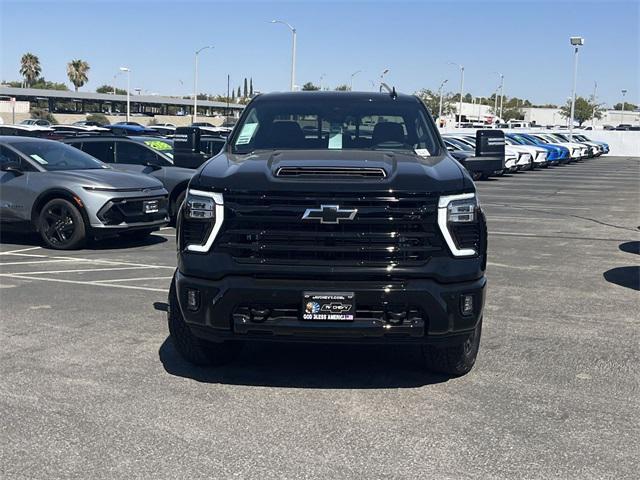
{"points": [[128, 70], [461, 67], [440, 91], [384, 72], [624, 92], [501, 88], [321, 77], [293, 52], [195, 83], [576, 42], [351, 79]]}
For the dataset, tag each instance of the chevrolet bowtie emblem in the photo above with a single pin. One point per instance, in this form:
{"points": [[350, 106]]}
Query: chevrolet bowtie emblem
{"points": [[329, 214]]}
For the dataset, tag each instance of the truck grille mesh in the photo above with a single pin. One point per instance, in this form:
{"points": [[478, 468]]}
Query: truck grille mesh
{"points": [[387, 229]]}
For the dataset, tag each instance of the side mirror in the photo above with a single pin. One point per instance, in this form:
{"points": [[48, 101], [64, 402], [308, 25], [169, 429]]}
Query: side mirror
{"points": [[12, 167]]}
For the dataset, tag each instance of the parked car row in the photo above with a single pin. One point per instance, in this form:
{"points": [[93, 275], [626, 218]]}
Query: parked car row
{"points": [[71, 183], [529, 150]]}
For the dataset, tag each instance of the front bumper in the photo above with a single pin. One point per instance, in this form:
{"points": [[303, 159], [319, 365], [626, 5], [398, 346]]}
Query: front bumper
{"points": [[394, 311], [124, 214]]}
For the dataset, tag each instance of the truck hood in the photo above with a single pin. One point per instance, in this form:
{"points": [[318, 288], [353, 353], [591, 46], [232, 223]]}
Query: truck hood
{"points": [[404, 171], [105, 178]]}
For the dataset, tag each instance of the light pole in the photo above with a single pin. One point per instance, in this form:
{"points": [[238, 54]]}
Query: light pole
{"points": [[440, 91], [293, 52], [128, 70], [501, 88], [461, 67], [321, 77], [595, 105], [576, 42], [195, 83], [624, 92], [351, 79], [384, 72]]}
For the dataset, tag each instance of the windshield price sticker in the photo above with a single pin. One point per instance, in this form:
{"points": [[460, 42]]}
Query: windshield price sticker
{"points": [[39, 159], [328, 306]]}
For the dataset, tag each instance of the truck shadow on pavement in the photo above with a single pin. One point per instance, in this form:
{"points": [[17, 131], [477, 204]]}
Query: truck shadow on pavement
{"points": [[272, 364], [628, 277]]}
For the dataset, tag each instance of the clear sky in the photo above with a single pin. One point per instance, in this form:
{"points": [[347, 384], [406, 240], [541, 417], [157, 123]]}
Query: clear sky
{"points": [[527, 41]]}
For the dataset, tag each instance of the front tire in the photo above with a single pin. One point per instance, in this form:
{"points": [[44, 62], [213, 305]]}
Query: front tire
{"points": [[453, 360], [191, 348], [61, 225]]}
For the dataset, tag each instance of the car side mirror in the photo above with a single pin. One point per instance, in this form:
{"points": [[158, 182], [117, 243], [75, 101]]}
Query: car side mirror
{"points": [[12, 167]]}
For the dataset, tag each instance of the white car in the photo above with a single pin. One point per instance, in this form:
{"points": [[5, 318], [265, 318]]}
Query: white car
{"points": [[513, 160], [538, 155], [595, 148], [576, 150]]}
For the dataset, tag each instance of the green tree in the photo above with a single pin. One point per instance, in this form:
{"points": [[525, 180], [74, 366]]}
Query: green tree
{"points": [[251, 87], [342, 88], [98, 117], [77, 72], [245, 92], [627, 106], [584, 110], [30, 68], [41, 114], [431, 100], [239, 95], [109, 89], [309, 86]]}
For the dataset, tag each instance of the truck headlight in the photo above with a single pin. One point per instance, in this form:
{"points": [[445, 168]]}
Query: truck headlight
{"points": [[199, 207], [455, 211], [202, 217]]}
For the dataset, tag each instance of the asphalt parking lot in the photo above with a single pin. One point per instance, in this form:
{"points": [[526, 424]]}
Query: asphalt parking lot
{"points": [[90, 387]]}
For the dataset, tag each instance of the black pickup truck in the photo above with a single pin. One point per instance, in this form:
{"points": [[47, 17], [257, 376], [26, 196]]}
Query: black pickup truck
{"points": [[331, 217]]}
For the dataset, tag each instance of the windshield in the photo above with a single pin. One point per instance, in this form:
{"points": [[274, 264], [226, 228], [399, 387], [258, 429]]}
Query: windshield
{"points": [[540, 139], [561, 137], [522, 140], [164, 147], [55, 156], [334, 123]]}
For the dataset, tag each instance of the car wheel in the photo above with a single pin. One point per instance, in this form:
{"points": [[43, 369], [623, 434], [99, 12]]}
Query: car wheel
{"points": [[175, 208], [61, 225], [191, 348], [453, 359]]}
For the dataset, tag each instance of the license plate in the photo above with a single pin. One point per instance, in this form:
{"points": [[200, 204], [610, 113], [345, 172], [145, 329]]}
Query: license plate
{"points": [[329, 306], [150, 206]]}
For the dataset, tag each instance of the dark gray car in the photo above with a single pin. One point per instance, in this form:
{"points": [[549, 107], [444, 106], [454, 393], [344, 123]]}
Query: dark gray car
{"points": [[149, 155], [68, 196]]}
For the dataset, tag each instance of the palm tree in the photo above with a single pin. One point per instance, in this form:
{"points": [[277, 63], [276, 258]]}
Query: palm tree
{"points": [[77, 72], [30, 68]]}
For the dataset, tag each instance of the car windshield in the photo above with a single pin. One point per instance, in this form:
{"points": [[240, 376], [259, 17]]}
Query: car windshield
{"points": [[459, 144], [336, 122], [55, 156], [540, 139], [162, 146], [561, 137], [522, 140]]}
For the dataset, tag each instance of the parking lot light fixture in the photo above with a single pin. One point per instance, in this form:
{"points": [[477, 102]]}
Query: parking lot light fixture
{"points": [[294, 34], [501, 88], [384, 72], [195, 83], [351, 79], [576, 42], [440, 92], [624, 92], [128, 71], [461, 67]]}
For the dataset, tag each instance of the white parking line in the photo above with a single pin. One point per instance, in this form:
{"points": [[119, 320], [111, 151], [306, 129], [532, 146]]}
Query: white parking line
{"points": [[45, 272], [133, 279], [80, 259], [98, 284], [31, 262], [19, 250]]}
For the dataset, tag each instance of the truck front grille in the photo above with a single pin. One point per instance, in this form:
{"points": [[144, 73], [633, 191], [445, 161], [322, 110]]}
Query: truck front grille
{"points": [[387, 230]]}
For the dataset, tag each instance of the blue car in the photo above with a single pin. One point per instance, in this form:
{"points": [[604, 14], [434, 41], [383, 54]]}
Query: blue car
{"points": [[130, 128], [557, 154]]}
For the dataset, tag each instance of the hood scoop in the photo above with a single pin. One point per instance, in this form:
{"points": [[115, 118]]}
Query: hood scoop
{"points": [[331, 172]]}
